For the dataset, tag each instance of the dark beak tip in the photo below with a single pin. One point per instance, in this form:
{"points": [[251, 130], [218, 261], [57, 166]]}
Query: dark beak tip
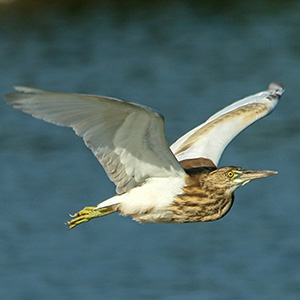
{"points": [[271, 173]]}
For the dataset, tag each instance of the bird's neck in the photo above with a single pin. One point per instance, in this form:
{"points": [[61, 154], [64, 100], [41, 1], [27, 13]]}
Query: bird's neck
{"points": [[201, 201]]}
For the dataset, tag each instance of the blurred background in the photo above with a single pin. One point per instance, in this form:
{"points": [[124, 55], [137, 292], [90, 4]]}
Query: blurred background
{"points": [[187, 59]]}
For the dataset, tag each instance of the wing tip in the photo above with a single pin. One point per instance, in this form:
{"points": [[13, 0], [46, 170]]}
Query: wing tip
{"points": [[27, 89], [277, 88], [21, 92]]}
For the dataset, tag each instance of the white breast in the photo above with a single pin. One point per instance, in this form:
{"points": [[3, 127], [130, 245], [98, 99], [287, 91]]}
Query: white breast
{"points": [[155, 194]]}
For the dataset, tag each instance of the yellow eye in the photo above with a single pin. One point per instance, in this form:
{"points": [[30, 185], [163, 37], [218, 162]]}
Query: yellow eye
{"points": [[230, 174]]}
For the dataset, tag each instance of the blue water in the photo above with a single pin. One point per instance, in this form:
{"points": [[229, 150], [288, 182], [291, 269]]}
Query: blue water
{"points": [[187, 59]]}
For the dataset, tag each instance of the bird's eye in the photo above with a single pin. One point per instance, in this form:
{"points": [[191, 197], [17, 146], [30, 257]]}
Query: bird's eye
{"points": [[230, 174]]}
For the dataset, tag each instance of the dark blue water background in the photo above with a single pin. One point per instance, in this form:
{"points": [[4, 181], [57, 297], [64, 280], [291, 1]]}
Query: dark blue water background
{"points": [[187, 59]]}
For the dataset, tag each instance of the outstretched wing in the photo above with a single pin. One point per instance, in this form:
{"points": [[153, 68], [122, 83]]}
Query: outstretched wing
{"points": [[209, 139], [128, 139]]}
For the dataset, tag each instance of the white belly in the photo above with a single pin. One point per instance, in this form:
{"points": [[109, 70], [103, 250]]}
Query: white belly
{"points": [[149, 202]]}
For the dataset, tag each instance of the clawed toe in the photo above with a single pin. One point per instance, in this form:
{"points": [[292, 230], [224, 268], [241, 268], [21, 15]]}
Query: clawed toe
{"points": [[87, 214], [82, 216]]}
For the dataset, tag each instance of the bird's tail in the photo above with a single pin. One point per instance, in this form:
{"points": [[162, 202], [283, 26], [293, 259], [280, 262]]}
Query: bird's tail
{"points": [[89, 213]]}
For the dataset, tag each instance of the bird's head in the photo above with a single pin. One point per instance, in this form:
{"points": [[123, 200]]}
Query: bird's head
{"points": [[230, 178]]}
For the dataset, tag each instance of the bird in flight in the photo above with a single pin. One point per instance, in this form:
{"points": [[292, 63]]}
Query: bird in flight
{"points": [[154, 182]]}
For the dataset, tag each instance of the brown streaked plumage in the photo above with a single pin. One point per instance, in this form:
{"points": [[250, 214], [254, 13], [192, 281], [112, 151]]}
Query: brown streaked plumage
{"points": [[154, 182], [209, 193]]}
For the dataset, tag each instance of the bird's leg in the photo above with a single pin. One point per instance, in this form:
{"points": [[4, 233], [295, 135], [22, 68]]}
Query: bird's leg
{"points": [[87, 214]]}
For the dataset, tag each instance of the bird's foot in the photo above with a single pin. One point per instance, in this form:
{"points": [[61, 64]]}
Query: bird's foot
{"points": [[85, 215]]}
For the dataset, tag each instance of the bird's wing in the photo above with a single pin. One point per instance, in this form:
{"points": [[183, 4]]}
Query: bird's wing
{"points": [[209, 139], [127, 139]]}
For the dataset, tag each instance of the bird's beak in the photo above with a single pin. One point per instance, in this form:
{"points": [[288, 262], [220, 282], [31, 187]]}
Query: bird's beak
{"points": [[248, 175]]}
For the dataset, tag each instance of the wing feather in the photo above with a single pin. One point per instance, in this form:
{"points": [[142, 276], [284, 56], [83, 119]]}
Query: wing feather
{"points": [[128, 139], [209, 139]]}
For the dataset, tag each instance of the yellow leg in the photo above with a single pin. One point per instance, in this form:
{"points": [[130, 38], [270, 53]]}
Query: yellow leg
{"points": [[87, 214]]}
